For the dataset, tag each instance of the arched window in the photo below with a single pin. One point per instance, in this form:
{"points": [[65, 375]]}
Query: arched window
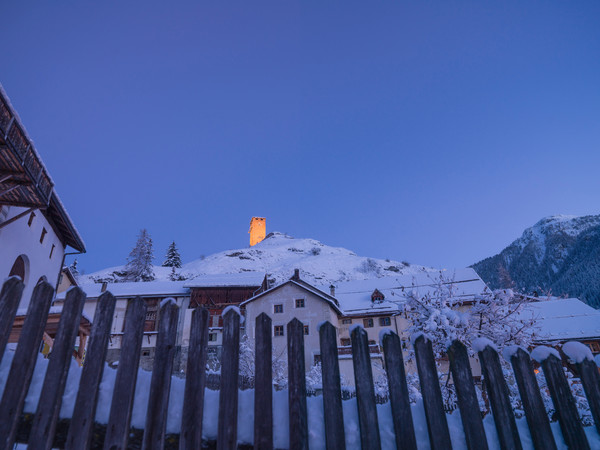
{"points": [[20, 268]]}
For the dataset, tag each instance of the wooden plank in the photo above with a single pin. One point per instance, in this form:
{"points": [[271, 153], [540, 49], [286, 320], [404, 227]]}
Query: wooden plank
{"points": [[564, 404], [332, 390], [533, 405], [590, 379], [365, 393], [398, 391], [160, 383], [297, 386], [498, 394], [437, 425], [467, 397], [23, 363], [50, 401], [195, 383], [263, 384], [228, 398], [82, 423], [10, 296], [119, 420]]}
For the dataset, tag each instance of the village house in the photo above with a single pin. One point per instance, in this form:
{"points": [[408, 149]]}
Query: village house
{"points": [[35, 229]]}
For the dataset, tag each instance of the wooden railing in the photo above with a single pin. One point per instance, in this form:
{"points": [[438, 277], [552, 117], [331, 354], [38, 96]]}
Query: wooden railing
{"points": [[81, 431]]}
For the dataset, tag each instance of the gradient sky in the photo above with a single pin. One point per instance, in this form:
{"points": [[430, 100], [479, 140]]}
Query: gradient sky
{"points": [[432, 132]]}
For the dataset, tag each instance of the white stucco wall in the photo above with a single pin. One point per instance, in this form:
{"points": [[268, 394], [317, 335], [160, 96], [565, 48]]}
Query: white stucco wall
{"points": [[315, 311], [18, 239]]}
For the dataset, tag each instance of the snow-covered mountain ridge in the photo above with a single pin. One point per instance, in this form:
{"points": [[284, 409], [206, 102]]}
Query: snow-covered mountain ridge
{"points": [[560, 254], [278, 255]]}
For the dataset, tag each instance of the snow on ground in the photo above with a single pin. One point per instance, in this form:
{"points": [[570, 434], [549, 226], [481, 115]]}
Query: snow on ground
{"points": [[278, 255], [316, 427]]}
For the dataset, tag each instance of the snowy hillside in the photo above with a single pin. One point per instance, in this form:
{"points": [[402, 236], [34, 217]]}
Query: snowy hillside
{"points": [[278, 255], [560, 254]]}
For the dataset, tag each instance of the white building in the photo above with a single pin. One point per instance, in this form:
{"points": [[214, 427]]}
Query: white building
{"points": [[35, 229]]}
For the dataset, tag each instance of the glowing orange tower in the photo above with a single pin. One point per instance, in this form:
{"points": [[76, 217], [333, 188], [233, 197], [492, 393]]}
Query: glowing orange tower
{"points": [[258, 230]]}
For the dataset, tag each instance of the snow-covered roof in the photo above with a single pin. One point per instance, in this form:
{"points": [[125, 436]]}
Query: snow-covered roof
{"points": [[564, 319], [143, 289], [248, 279], [355, 296]]}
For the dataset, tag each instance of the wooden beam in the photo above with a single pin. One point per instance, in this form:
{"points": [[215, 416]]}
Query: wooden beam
{"points": [[17, 217]]}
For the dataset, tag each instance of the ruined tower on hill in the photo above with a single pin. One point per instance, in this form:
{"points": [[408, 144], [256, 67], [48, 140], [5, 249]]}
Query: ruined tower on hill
{"points": [[258, 230]]}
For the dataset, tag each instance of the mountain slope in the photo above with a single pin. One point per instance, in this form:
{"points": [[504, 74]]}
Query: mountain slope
{"points": [[559, 254], [278, 255]]}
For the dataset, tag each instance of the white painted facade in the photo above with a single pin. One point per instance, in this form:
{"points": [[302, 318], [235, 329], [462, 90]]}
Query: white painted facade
{"points": [[21, 239]]}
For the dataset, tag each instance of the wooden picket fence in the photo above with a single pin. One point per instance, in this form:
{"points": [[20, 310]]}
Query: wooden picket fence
{"points": [[43, 430]]}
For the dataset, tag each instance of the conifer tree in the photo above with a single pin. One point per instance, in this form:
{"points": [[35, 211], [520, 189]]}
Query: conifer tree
{"points": [[172, 258], [139, 262]]}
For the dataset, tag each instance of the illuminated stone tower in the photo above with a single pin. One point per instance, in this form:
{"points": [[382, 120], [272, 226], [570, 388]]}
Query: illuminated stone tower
{"points": [[258, 230]]}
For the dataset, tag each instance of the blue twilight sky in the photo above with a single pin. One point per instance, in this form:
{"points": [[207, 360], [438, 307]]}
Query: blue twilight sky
{"points": [[432, 132]]}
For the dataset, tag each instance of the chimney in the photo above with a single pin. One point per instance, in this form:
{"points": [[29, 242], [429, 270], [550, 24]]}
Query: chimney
{"points": [[296, 276], [104, 286], [332, 290]]}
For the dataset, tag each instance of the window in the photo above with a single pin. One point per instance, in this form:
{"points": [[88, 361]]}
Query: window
{"points": [[346, 321], [594, 347], [19, 268], [51, 251], [384, 321], [212, 337], [151, 314], [299, 303], [146, 353], [368, 323], [30, 221], [44, 233], [345, 342], [278, 309], [305, 330], [278, 330]]}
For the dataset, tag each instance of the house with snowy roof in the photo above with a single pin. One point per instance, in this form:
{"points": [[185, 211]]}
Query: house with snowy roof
{"points": [[35, 228]]}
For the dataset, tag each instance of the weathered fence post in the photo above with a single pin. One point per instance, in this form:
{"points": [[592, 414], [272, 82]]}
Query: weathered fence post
{"points": [[162, 369], [228, 397], [437, 425], [470, 414], [297, 386], [365, 392], [263, 384], [590, 379], [401, 413], [10, 296], [332, 390], [564, 404], [23, 364], [499, 399], [46, 416], [82, 422], [533, 405], [195, 382], [117, 431]]}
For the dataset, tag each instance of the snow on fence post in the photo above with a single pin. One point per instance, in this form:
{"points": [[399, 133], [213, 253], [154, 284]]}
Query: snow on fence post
{"points": [[332, 390], [365, 392], [160, 383], [117, 431], [82, 422], [46, 416], [396, 375], [564, 404], [23, 363], [297, 386], [533, 405], [228, 398], [263, 384], [437, 425], [12, 289], [195, 383], [497, 389], [467, 397]]}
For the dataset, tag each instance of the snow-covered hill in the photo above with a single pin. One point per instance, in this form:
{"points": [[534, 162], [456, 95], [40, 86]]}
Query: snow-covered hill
{"points": [[560, 254], [278, 255]]}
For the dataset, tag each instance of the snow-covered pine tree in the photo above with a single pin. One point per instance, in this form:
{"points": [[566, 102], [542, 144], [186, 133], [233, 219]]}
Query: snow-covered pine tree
{"points": [[139, 262], [172, 258]]}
